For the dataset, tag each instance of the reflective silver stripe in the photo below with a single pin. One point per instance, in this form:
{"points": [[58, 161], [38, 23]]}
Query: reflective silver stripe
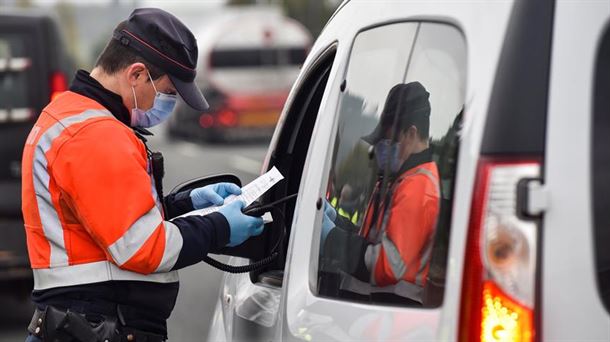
{"points": [[396, 263], [135, 237], [173, 245], [419, 278], [409, 290], [371, 255], [403, 288], [430, 176], [95, 272], [424, 261], [428, 251], [48, 215], [156, 197]]}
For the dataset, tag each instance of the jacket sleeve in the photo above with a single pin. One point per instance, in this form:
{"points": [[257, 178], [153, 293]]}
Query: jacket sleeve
{"points": [[178, 204], [102, 172]]}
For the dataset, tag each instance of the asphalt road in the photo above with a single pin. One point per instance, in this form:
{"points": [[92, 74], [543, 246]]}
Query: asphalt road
{"points": [[199, 283]]}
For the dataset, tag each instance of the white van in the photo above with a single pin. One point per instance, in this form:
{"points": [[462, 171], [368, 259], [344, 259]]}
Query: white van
{"points": [[520, 246], [249, 59]]}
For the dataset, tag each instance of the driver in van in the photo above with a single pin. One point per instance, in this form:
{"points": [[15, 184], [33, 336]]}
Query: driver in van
{"points": [[394, 244]]}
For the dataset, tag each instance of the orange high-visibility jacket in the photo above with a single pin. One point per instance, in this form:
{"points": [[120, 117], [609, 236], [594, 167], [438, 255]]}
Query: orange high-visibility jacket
{"points": [[90, 206], [403, 236]]}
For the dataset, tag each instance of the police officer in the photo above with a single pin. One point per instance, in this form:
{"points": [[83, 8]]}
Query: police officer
{"points": [[393, 247], [103, 249]]}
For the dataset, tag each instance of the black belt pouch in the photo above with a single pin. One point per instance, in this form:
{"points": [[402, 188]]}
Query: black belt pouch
{"points": [[55, 325]]}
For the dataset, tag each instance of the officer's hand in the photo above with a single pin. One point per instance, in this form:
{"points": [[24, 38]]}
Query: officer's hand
{"points": [[213, 194], [242, 226], [330, 211]]}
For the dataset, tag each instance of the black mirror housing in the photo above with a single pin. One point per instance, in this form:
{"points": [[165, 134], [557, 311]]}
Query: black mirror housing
{"points": [[206, 180]]}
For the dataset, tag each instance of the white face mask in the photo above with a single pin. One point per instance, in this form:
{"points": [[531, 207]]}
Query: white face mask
{"points": [[162, 107]]}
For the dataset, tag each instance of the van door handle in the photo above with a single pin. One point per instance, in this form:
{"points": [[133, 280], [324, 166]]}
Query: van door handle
{"points": [[532, 198]]}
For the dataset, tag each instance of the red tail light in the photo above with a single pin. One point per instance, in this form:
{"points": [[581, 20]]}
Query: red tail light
{"points": [[57, 84], [498, 290], [206, 121], [227, 118]]}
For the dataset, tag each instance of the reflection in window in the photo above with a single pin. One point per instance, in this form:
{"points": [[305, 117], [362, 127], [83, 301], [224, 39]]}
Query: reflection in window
{"points": [[385, 230]]}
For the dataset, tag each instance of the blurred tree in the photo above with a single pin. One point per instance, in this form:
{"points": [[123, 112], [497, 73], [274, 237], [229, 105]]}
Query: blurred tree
{"points": [[312, 13], [65, 11]]}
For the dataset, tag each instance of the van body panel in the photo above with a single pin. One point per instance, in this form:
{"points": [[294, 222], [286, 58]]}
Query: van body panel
{"points": [[571, 306], [305, 313]]}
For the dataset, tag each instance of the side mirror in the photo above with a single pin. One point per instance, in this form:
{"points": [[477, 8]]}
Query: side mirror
{"points": [[207, 180]]}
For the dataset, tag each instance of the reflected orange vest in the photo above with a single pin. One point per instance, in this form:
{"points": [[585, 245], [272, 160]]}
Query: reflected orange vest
{"points": [[402, 237]]}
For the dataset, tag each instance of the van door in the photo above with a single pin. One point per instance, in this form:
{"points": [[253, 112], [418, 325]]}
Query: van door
{"points": [[368, 249], [250, 303], [575, 259]]}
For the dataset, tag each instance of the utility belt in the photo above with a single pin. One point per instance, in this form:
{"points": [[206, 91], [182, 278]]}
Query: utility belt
{"points": [[56, 325]]}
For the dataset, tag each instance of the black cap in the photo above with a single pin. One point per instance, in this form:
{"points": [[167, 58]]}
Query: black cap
{"points": [[166, 42], [410, 102]]}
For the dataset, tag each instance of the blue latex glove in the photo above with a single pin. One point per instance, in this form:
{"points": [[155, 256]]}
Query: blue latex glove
{"points": [[330, 211], [327, 226], [242, 226], [213, 194]]}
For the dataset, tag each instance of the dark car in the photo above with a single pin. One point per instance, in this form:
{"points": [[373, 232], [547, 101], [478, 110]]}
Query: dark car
{"points": [[33, 69]]}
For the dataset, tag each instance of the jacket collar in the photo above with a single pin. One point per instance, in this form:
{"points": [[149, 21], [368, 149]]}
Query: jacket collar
{"points": [[416, 159], [86, 85]]}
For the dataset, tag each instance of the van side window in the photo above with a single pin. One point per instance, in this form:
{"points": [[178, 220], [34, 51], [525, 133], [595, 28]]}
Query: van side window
{"points": [[601, 169], [385, 228]]}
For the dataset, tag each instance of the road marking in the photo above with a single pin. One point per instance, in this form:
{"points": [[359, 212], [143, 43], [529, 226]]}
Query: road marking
{"points": [[248, 165]]}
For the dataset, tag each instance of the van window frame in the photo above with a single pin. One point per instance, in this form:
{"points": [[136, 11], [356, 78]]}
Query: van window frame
{"points": [[314, 262], [289, 155], [600, 168]]}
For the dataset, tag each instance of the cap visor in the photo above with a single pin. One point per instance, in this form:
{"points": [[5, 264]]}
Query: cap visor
{"points": [[373, 137], [191, 94]]}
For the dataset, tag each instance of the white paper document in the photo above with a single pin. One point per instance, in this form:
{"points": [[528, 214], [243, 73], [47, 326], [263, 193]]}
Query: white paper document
{"points": [[249, 193]]}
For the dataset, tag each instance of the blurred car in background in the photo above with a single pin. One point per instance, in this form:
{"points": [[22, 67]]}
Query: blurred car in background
{"points": [[33, 69], [248, 60]]}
